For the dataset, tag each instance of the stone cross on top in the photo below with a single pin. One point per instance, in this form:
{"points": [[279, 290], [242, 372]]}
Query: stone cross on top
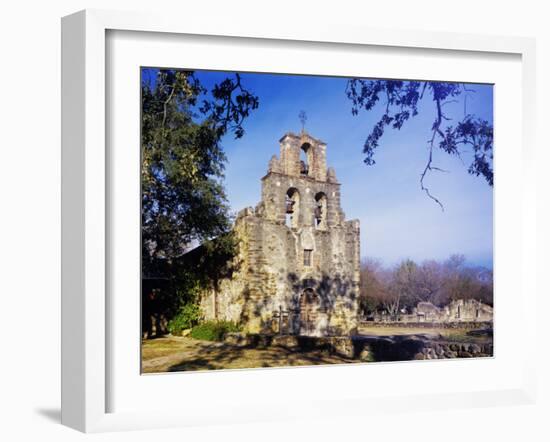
{"points": [[303, 118]]}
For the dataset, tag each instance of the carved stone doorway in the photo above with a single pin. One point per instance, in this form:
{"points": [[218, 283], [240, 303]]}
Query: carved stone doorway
{"points": [[309, 311]]}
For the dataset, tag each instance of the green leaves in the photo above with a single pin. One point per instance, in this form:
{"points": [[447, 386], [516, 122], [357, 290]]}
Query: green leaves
{"points": [[230, 105], [188, 317], [183, 201], [214, 330], [400, 100]]}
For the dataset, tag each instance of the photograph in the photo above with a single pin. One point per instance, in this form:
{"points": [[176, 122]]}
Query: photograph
{"points": [[233, 220], [302, 220]]}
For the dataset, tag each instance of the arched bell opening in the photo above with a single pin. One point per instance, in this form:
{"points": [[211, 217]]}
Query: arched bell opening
{"points": [[306, 159], [320, 211], [292, 207]]}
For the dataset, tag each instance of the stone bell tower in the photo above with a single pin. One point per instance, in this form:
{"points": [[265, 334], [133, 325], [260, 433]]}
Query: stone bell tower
{"points": [[312, 196], [299, 257]]}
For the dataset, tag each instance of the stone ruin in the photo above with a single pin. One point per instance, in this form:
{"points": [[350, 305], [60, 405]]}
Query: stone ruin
{"points": [[298, 266], [457, 311]]}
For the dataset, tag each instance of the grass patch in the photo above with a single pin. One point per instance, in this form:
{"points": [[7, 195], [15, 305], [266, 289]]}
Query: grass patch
{"points": [[463, 337], [177, 353], [154, 348]]}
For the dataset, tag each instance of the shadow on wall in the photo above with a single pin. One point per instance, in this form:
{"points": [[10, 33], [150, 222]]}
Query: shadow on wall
{"points": [[331, 292], [168, 284]]}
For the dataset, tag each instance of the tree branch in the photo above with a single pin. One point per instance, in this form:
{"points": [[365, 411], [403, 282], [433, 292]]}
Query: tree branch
{"points": [[429, 166]]}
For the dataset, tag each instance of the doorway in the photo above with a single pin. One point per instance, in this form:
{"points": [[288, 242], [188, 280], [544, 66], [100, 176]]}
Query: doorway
{"points": [[309, 311]]}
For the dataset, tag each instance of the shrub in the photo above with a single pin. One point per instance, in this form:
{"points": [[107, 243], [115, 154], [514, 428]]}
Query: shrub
{"points": [[187, 317], [213, 330]]}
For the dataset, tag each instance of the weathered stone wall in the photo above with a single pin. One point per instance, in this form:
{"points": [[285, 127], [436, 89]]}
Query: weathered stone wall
{"points": [[468, 310], [458, 311], [227, 301], [276, 288], [315, 150], [410, 324], [275, 187]]}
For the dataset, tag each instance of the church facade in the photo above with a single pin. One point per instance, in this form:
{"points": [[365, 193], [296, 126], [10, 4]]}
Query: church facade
{"points": [[298, 265]]}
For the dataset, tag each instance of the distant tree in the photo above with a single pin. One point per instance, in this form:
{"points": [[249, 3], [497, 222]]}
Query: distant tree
{"points": [[430, 280], [455, 282], [399, 287], [485, 287], [400, 100], [460, 281], [392, 299], [408, 283], [372, 287], [183, 202]]}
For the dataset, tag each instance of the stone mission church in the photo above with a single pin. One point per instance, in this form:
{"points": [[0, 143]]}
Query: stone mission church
{"points": [[297, 270]]}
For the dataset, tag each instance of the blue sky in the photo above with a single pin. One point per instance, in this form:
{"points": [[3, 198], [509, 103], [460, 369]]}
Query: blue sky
{"points": [[397, 219]]}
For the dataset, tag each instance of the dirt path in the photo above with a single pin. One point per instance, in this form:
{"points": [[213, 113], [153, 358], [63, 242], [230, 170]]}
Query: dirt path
{"points": [[183, 354]]}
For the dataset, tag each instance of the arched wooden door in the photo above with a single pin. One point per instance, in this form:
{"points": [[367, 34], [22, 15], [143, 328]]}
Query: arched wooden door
{"points": [[309, 311]]}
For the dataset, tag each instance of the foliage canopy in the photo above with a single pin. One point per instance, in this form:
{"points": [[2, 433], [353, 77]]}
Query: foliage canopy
{"points": [[183, 202], [400, 100]]}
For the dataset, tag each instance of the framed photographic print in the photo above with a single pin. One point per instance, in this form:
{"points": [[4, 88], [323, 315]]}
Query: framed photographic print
{"points": [[272, 210], [289, 281]]}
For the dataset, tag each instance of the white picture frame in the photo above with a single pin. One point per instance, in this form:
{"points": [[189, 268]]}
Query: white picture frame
{"points": [[85, 202]]}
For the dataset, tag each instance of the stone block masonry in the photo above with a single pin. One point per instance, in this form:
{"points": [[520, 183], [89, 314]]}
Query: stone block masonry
{"points": [[297, 270]]}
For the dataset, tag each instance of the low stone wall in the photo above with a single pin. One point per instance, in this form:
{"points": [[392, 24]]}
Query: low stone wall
{"points": [[361, 348], [463, 325], [403, 348], [448, 350]]}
